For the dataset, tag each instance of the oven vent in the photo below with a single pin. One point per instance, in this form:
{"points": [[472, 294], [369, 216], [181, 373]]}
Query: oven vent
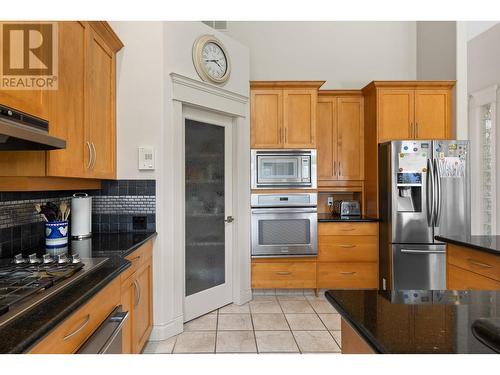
{"points": [[217, 25]]}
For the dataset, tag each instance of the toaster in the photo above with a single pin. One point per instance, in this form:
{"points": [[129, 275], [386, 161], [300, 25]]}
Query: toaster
{"points": [[346, 208]]}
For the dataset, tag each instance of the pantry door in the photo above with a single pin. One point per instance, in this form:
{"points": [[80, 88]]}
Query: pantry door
{"points": [[208, 212]]}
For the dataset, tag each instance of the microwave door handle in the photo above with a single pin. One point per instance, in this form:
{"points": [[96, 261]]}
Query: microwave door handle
{"points": [[430, 193]]}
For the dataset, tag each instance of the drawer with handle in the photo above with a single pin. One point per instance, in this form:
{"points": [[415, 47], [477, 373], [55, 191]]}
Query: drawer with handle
{"points": [[348, 249], [138, 258], [474, 260], [347, 229], [460, 279], [348, 275], [72, 333], [284, 275]]}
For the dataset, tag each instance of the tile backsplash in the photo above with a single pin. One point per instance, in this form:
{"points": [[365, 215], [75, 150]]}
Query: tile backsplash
{"points": [[117, 207]]}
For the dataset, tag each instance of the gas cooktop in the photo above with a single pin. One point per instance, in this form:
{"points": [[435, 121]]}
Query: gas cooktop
{"points": [[26, 282]]}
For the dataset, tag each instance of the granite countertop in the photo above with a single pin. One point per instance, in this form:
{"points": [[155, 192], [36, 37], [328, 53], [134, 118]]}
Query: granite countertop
{"points": [[422, 322], [329, 218], [24, 331], [489, 244]]}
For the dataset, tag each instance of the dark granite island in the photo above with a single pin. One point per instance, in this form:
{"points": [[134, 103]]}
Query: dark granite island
{"points": [[421, 322]]}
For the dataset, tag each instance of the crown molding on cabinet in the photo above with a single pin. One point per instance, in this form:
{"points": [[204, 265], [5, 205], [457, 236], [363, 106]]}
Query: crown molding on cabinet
{"points": [[286, 84], [106, 32], [409, 84]]}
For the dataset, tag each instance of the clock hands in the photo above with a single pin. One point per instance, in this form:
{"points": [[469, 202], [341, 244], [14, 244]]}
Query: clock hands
{"points": [[215, 61]]}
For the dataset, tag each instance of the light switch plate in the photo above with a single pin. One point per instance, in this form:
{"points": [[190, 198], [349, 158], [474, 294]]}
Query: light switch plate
{"points": [[146, 159]]}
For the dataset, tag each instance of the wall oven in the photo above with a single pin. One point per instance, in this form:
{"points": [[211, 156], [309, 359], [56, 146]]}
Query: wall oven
{"points": [[284, 225], [283, 169]]}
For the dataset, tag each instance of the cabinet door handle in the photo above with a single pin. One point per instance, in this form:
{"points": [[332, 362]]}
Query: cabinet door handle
{"points": [[137, 293], [279, 135], [334, 168], [480, 264], [347, 246], [82, 326], [347, 273], [90, 155], [348, 229], [286, 135], [411, 130], [283, 273], [340, 168], [95, 155], [416, 130]]}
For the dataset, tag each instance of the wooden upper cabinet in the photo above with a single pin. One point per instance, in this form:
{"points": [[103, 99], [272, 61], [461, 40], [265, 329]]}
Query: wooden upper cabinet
{"points": [[396, 114], [412, 110], [299, 118], [33, 102], [67, 114], [340, 144], [267, 118], [326, 127], [432, 114], [100, 107], [283, 114], [350, 143]]}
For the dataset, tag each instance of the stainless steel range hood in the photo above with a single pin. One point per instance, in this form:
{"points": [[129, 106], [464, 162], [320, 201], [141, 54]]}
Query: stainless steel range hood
{"points": [[22, 132]]}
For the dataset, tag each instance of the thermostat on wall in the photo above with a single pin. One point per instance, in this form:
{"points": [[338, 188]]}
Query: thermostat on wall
{"points": [[146, 158]]}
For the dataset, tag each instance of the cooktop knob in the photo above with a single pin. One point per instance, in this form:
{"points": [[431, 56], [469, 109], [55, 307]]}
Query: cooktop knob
{"points": [[76, 258], [47, 258], [33, 259], [63, 258], [18, 259]]}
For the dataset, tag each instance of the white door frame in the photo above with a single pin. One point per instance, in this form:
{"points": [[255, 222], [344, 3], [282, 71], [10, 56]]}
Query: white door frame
{"points": [[192, 92], [210, 299]]}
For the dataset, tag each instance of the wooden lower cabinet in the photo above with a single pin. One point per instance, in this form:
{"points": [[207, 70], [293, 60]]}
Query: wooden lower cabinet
{"points": [[283, 273], [347, 255], [336, 275], [137, 298], [133, 290], [470, 269], [72, 333], [352, 342]]}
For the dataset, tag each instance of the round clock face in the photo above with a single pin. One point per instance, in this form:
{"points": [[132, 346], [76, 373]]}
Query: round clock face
{"points": [[211, 60], [214, 60]]}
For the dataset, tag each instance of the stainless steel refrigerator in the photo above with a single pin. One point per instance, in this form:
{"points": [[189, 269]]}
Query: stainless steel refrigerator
{"points": [[424, 191]]}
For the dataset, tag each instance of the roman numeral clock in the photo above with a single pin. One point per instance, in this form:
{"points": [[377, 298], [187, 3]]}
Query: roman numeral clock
{"points": [[211, 59]]}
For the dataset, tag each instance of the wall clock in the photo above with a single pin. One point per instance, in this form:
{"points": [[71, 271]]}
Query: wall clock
{"points": [[211, 60]]}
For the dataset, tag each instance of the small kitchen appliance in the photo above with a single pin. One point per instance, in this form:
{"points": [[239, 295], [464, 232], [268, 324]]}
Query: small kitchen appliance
{"points": [[283, 169], [346, 208]]}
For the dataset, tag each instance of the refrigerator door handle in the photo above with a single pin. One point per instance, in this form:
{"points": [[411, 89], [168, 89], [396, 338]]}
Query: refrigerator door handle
{"points": [[430, 193], [422, 252], [438, 193]]}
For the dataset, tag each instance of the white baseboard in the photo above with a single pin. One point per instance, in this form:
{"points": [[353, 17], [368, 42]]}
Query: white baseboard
{"points": [[164, 331]]}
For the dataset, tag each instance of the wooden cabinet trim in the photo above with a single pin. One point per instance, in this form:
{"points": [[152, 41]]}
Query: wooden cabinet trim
{"points": [[286, 84]]}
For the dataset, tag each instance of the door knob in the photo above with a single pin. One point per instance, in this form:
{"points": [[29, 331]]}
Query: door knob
{"points": [[229, 219]]}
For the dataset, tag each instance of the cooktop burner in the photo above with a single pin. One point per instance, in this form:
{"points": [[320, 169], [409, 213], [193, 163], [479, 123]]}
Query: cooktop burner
{"points": [[26, 282]]}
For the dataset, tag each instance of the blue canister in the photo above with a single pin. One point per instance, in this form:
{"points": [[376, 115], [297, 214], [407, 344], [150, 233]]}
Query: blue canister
{"points": [[56, 234]]}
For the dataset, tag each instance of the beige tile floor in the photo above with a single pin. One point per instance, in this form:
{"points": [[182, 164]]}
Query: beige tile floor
{"points": [[267, 324]]}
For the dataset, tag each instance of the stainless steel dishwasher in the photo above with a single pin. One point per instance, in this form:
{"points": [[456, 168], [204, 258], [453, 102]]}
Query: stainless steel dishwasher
{"points": [[107, 339]]}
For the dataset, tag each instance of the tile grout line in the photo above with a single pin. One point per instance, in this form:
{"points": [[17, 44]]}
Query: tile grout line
{"points": [[216, 330], [288, 323], [253, 327]]}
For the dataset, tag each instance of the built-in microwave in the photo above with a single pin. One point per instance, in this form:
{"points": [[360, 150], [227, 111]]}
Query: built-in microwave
{"points": [[283, 169]]}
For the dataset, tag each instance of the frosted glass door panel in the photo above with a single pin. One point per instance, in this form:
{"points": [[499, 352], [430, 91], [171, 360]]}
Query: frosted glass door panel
{"points": [[205, 227]]}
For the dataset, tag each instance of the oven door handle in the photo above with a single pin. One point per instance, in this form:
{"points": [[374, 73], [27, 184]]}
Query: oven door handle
{"points": [[284, 210]]}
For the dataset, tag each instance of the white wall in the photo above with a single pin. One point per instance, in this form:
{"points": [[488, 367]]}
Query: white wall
{"points": [[484, 60], [474, 28], [139, 96], [436, 50], [345, 54]]}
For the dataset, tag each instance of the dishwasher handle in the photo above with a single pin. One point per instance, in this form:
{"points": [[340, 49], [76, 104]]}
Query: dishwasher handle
{"points": [[108, 333]]}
